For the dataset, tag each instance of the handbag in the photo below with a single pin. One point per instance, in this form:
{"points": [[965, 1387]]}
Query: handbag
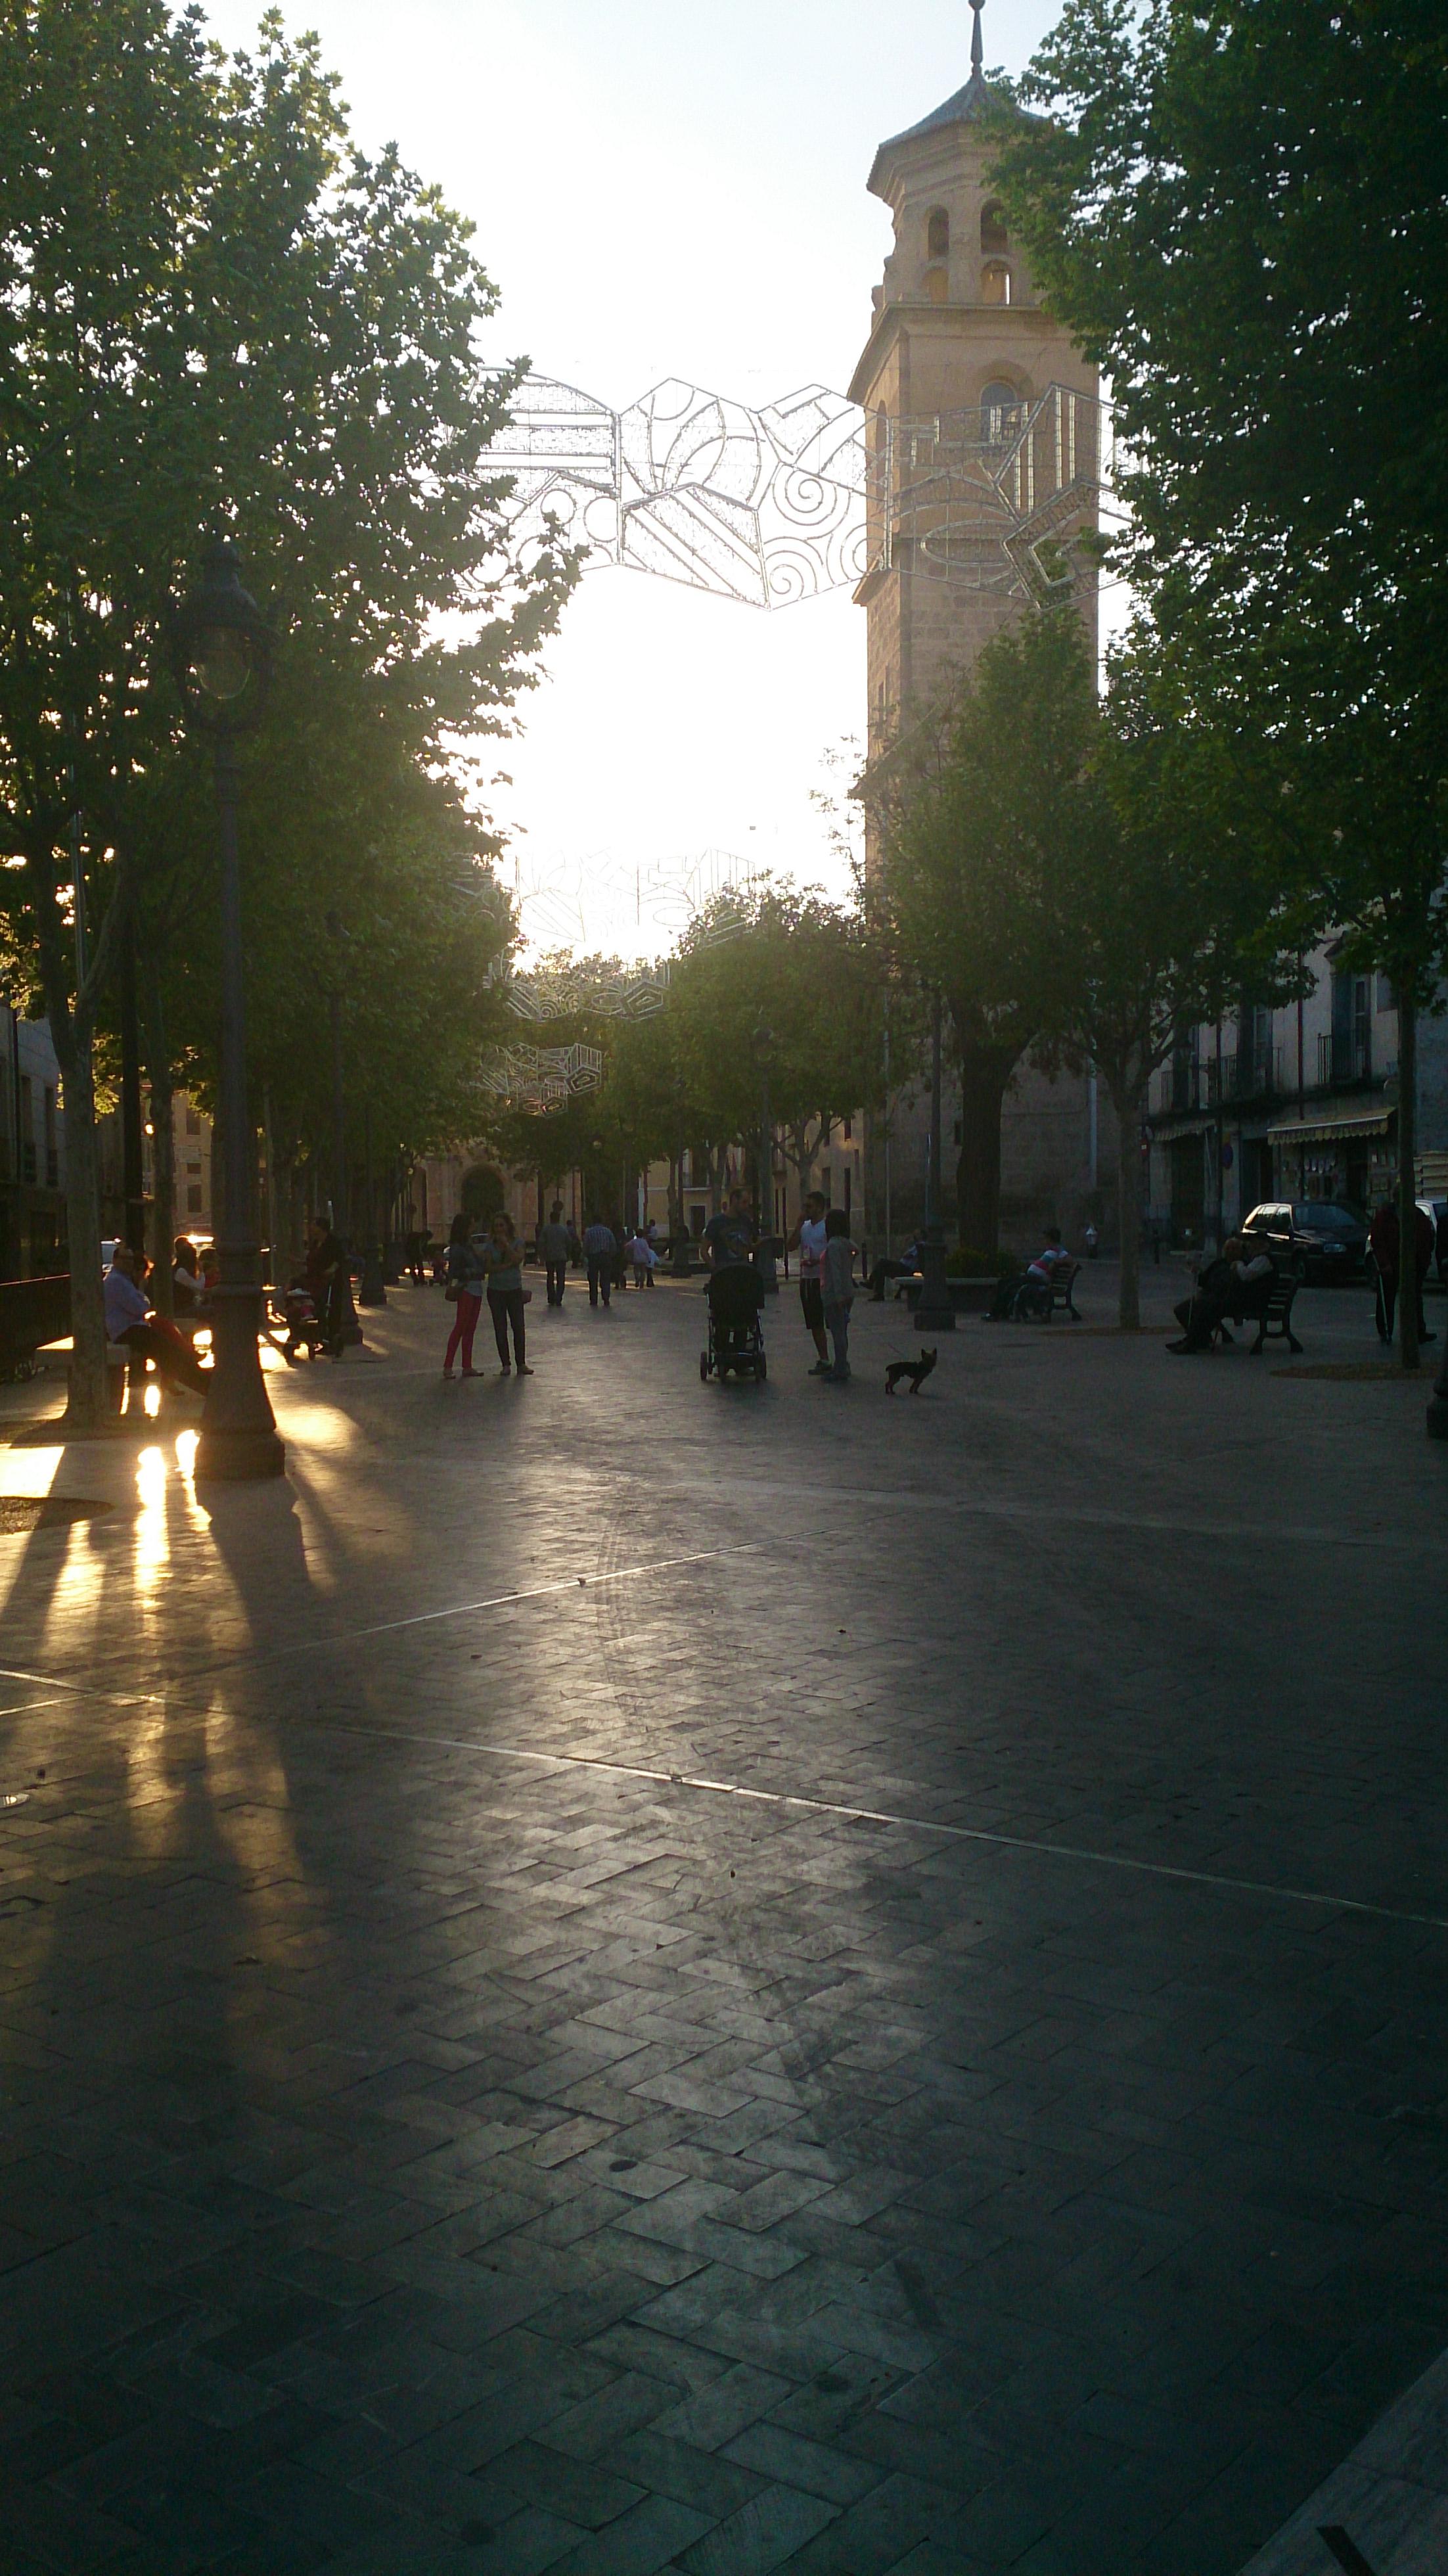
{"points": [[450, 1292]]}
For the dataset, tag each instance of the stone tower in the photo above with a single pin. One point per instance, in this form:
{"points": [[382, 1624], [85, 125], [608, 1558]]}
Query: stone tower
{"points": [[957, 332], [959, 355]]}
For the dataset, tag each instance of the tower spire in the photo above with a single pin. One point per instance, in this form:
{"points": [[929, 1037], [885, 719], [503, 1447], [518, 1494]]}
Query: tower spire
{"points": [[976, 51]]}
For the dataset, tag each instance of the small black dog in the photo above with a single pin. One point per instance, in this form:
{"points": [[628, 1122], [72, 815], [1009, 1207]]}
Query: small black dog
{"points": [[916, 1370]]}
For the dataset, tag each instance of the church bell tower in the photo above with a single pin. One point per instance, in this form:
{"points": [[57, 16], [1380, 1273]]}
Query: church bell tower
{"points": [[959, 352]]}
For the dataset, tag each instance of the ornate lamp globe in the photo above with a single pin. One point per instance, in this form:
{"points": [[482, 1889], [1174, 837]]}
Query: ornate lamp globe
{"points": [[221, 645]]}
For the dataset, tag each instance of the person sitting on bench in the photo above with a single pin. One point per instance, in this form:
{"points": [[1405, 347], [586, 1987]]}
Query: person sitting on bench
{"points": [[887, 1269], [1033, 1295], [1234, 1285], [131, 1321]]}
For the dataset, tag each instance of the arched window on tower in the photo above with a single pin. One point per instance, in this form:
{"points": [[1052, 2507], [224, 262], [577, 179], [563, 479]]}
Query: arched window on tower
{"points": [[995, 282], [1001, 414], [937, 285], [937, 234], [993, 234]]}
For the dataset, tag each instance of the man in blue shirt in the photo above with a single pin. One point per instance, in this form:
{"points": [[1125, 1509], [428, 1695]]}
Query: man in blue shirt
{"points": [[129, 1320], [729, 1239], [600, 1250]]}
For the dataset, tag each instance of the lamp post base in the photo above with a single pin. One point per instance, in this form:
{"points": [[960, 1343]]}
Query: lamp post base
{"points": [[934, 1312], [372, 1287], [238, 1457]]}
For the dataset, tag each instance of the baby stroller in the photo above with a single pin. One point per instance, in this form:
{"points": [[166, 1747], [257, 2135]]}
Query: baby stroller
{"points": [[736, 1336], [305, 1329]]}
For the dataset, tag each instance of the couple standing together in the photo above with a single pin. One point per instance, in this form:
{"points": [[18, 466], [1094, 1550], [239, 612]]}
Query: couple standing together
{"points": [[826, 1283], [491, 1261]]}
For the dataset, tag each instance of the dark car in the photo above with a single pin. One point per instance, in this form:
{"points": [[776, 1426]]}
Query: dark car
{"points": [[1315, 1239]]}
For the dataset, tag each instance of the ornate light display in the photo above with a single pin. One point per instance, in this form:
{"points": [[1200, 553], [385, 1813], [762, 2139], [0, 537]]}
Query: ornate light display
{"points": [[763, 506], [810, 493], [536, 1078]]}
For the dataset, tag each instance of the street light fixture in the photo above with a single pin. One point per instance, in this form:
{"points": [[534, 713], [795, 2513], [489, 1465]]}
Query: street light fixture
{"points": [[221, 652]]}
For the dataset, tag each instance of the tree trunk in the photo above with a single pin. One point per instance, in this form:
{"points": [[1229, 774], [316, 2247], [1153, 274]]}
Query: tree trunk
{"points": [[163, 1180], [1126, 1099], [1407, 1172], [984, 1069]]}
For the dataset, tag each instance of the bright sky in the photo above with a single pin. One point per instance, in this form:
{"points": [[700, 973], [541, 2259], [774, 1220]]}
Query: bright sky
{"points": [[665, 192]]}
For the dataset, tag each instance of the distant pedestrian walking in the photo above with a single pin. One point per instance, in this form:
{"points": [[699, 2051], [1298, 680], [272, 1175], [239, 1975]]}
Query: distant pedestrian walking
{"points": [[809, 1235], [643, 1256], [464, 1291], [837, 1290], [503, 1256], [553, 1252], [600, 1250]]}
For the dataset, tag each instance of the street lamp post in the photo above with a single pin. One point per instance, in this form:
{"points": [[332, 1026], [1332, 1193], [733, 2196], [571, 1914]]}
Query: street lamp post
{"points": [[765, 1047], [372, 1289], [221, 649], [348, 1330], [934, 1313]]}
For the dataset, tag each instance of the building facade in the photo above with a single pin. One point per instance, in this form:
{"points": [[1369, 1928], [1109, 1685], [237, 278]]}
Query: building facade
{"points": [[32, 1151], [1297, 1103]]}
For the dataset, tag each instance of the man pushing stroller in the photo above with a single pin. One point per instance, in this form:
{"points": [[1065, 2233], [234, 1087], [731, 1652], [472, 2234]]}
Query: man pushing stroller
{"points": [[734, 1290]]}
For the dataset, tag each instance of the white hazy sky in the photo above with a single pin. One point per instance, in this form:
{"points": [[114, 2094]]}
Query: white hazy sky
{"points": [[665, 192]]}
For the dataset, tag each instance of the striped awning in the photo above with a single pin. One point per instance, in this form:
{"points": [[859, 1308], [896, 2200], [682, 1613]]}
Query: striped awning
{"points": [[1330, 1131]]}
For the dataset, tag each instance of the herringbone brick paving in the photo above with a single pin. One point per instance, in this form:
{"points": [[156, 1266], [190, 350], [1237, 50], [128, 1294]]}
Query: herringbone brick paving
{"points": [[423, 2155]]}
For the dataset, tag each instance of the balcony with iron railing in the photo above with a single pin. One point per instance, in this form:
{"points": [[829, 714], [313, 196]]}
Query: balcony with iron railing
{"points": [[1344, 1059]]}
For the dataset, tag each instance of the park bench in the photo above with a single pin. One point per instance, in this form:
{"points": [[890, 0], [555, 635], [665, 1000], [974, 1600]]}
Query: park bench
{"points": [[1272, 1314], [1063, 1288]]}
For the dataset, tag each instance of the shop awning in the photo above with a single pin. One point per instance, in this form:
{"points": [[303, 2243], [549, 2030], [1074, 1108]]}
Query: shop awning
{"points": [[1329, 1131]]}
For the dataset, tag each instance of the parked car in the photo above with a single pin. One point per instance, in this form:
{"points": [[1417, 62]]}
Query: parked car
{"points": [[1316, 1239]]}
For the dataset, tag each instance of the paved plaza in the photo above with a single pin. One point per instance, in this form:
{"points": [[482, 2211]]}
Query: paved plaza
{"points": [[625, 1975]]}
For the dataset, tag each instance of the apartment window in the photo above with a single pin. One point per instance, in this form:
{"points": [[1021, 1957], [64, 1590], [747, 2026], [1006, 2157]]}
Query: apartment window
{"points": [[52, 1142], [27, 1128], [193, 1198], [849, 1129], [849, 1176], [193, 1122]]}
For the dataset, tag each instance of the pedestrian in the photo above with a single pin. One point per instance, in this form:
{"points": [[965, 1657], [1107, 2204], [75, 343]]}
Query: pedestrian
{"points": [[507, 1296], [729, 1238], [643, 1256], [464, 1292], [325, 1278], [553, 1252], [1093, 1243], [600, 1251], [837, 1290], [131, 1321], [809, 1235], [186, 1289], [1383, 1242]]}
